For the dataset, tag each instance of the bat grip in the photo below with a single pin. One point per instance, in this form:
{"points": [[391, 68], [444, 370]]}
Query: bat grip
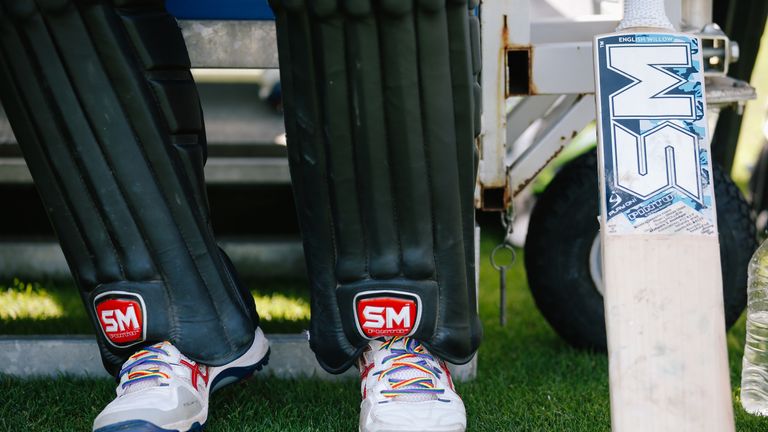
{"points": [[645, 13]]}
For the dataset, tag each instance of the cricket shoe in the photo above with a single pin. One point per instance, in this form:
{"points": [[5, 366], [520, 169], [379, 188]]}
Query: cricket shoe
{"points": [[161, 390], [405, 388]]}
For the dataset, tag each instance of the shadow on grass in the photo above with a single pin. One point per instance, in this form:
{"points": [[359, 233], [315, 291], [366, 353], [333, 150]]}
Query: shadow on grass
{"points": [[257, 405]]}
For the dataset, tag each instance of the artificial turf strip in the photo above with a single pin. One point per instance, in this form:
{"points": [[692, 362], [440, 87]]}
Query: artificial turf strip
{"points": [[528, 380]]}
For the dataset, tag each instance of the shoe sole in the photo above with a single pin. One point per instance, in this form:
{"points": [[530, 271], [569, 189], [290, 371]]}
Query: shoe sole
{"points": [[244, 367], [143, 426], [238, 374]]}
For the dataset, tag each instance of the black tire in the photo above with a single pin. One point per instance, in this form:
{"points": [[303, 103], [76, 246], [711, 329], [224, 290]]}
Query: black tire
{"points": [[563, 226]]}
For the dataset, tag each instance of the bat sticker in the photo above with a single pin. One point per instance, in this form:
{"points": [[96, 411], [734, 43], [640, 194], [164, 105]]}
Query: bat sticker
{"points": [[654, 135]]}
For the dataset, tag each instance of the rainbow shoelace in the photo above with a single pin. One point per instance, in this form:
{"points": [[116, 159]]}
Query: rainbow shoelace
{"points": [[149, 358], [410, 355]]}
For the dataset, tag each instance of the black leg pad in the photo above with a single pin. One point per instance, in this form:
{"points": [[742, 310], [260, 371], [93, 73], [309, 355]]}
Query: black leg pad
{"points": [[380, 119], [101, 99]]}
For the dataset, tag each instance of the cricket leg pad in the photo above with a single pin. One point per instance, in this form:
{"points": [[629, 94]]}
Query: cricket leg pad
{"points": [[101, 99], [380, 111]]}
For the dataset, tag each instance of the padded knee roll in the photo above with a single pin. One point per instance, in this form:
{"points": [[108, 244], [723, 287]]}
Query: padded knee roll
{"points": [[101, 99], [380, 110]]}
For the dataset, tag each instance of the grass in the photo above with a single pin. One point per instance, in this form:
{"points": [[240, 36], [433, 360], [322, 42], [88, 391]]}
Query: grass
{"points": [[26, 301], [41, 308], [50, 308], [528, 380]]}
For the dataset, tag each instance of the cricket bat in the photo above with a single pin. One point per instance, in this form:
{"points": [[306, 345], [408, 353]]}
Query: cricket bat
{"points": [[668, 366]]}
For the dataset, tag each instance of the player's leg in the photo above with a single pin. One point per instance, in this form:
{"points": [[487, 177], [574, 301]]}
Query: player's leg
{"points": [[380, 105], [101, 99]]}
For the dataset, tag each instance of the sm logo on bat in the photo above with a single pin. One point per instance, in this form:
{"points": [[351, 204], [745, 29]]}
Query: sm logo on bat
{"points": [[387, 316], [666, 154], [121, 318]]}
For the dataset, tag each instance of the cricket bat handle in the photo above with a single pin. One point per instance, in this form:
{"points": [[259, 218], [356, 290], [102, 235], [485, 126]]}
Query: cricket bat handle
{"points": [[645, 13]]}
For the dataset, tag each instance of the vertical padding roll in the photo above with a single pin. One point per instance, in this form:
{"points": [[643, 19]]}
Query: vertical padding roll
{"points": [[337, 117], [309, 182], [176, 92], [371, 152], [101, 98], [474, 39], [465, 43], [405, 135], [449, 150]]}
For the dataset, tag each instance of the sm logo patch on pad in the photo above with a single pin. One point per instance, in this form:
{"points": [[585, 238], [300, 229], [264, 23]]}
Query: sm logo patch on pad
{"points": [[387, 313], [122, 317]]}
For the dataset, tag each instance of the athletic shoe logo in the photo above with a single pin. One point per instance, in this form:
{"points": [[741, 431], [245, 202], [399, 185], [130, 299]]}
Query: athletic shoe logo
{"points": [[121, 317], [390, 313], [197, 373]]}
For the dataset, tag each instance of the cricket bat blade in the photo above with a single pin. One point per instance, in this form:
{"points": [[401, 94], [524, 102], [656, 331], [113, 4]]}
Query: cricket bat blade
{"points": [[668, 365]]}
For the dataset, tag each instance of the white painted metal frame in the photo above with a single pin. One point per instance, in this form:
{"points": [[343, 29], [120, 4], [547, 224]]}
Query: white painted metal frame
{"points": [[503, 23]]}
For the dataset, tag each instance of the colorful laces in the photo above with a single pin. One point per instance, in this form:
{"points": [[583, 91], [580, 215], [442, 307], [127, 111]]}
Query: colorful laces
{"points": [[144, 365], [409, 358]]}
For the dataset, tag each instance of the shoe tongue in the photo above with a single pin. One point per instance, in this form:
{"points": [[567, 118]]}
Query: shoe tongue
{"points": [[171, 352], [171, 355]]}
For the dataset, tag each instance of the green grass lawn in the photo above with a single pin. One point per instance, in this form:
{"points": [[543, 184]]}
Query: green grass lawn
{"points": [[50, 308], [528, 380]]}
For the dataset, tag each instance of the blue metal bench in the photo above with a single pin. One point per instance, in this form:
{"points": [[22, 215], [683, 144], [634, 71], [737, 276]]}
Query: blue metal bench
{"points": [[220, 10]]}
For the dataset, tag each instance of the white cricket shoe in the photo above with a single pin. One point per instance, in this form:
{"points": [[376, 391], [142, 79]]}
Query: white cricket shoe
{"points": [[405, 388], [161, 390]]}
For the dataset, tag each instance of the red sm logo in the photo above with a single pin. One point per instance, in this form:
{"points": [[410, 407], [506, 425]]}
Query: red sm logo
{"points": [[121, 319], [386, 316]]}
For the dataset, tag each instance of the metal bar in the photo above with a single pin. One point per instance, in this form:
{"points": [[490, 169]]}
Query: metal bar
{"points": [[218, 171], [553, 30], [238, 170], [253, 257], [564, 123], [562, 68], [526, 112]]}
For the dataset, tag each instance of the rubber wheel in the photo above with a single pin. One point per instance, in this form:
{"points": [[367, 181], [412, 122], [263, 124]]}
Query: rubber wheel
{"points": [[563, 227]]}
